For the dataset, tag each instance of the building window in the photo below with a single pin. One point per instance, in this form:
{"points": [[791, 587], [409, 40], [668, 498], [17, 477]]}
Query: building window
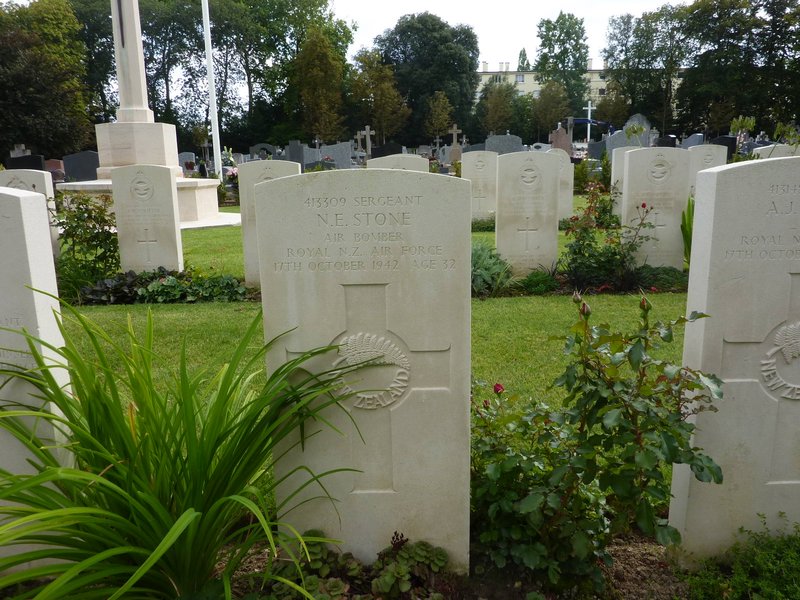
{"points": [[601, 92], [603, 76], [520, 78]]}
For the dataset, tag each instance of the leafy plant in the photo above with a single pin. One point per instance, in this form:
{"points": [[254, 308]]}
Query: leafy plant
{"points": [[88, 240], [687, 223], [163, 479], [483, 224], [491, 274], [538, 282]]}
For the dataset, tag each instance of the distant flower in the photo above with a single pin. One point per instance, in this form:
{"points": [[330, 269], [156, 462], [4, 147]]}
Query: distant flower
{"points": [[498, 388], [644, 204]]}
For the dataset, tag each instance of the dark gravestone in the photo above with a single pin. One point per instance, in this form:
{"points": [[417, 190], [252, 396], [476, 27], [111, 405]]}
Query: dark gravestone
{"points": [[729, 141], [504, 144], [595, 149], [475, 148], [668, 141], [387, 149], [28, 161], [262, 151], [295, 152], [693, 140], [81, 166]]}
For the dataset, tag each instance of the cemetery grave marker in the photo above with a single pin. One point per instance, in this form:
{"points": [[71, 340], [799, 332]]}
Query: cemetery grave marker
{"points": [[617, 176], [406, 162], [704, 157], [35, 181], [504, 144], [348, 257], [566, 183], [481, 169]]}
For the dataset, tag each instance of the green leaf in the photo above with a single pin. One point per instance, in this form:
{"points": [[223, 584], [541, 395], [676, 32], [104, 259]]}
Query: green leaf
{"points": [[531, 502], [666, 535], [612, 418], [645, 459], [645, 517], [581, 544], [636, 354]]}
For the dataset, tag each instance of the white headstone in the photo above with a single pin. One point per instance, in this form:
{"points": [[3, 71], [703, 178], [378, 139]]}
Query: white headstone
{"points": [[776, 151], [26, 264], [146, 207], [658, 178], [617, 176], [251, 174], [566, 183], [349, 258], [481, 169], [526, 226], [744, 274], [702, 157], [405, 162], [35, 181]]}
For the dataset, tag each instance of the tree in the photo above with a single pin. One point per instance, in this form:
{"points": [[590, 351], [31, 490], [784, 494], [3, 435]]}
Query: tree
{"points": [[375, 90], [318, 73], [428, 55], [613, 108], [523, 64], [94, 17], [500, 107], [42, 101], [564, 56], [439, 115], [551, 106]]}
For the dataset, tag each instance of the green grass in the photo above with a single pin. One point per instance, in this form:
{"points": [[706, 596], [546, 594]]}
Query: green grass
{"points": [[510, 336], [214, 250]]}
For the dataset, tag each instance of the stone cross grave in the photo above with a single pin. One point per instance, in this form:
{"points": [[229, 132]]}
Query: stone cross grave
{"points": [[251, 174], [659, 178], [35, 181], [705, 156], [348, 258], [566, 183], [745, 275], [26, 264], [526, 225], [454, 130], [367, 133], [146, 207], [481, 169], [405, 162]]}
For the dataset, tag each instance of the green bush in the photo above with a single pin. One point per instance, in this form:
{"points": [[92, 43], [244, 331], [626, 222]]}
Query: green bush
{"points": [[491, 275], [163, 479], [88, 241], [549, 488], [483, 225], [538, 282]]}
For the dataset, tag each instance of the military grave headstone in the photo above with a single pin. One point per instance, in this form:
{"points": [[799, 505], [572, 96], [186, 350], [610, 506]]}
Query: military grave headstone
{"points": [[617, 176], [566, 183], [347, 258], [776, 151], [35, 181], [744, 274], [526, 225], [704, 157], [406, 162], [146, 208], [481, 169]]}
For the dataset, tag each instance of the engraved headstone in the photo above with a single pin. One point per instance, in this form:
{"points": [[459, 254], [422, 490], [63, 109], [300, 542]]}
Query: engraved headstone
{"points": [[566, 183], [704, 157], [455, 154], [81, 166], [406, 162], [504, 144], [668, 141], [481, 169], [340, 153], [424, 150], [617, 176], [729, 141], [310, 155], [19, 150], [658, 178], [187, 162], [559, 138], [526, 225], [744, 274], [35, 181], [594, 150], [776, 151], [25, 161], [387, 149], [347, 258], [695, 139], [481, 147], [26, 264], [251, 174], [146, 207], [295, 152], [262, 151]]}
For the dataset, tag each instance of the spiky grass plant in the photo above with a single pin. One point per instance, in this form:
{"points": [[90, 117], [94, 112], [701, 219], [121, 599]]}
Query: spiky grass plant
{"points": [[163, 479]]}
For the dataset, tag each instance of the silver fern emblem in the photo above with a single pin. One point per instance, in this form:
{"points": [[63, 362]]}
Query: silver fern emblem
{"points": [[787, 338], [369, 347]]}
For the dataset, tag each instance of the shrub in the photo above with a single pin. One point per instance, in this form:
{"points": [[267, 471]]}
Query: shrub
{"points": [[164, 479], [538, 282], [88, 240], [550, 487], [491, 274], [483, 224], [662, 279]]}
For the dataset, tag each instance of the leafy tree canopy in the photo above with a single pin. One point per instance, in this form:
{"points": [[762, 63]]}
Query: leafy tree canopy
{"points": [[564, 56]]}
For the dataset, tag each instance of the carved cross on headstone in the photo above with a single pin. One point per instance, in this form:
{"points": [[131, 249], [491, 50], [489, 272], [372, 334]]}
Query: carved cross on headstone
{"points": [[368, 133], [773, 367], [437, 140], [358, 137], [147, 243], [385, 387], [527, 230], [455, 131], [464, 140]]}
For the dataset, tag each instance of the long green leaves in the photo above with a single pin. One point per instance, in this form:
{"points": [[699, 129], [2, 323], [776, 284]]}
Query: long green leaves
{"points": [[162, 476]]}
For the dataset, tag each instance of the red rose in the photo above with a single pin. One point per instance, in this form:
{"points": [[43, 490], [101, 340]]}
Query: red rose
{"points": [[498, 388]]}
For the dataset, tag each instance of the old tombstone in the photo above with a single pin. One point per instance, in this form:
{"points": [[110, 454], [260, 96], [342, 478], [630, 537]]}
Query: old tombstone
{"points": [[566, 183], [81, 166], [659, 179], [19, 150], [455, 154], [238, 158], [26, 265], [540, 147], [559, 138], [387, 149], [480, 147], [35, 181], [424, 150], [704, 157], [187, 162], [296, 152], [56, 169], [251, 174], [729, 141], [340, 154], [594, 150], [526, 225], [443, 155], [347, 258], [406, 162], [481, 169], [618, 176], [776, 151], [667, 141], [146, 208], [310, 155], [744, 274], [25, 161], [696, 139], [504, 144], [262, 151]]}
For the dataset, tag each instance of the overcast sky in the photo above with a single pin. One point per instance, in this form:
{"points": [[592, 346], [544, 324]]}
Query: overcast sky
{"points": [[503, 27]]}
